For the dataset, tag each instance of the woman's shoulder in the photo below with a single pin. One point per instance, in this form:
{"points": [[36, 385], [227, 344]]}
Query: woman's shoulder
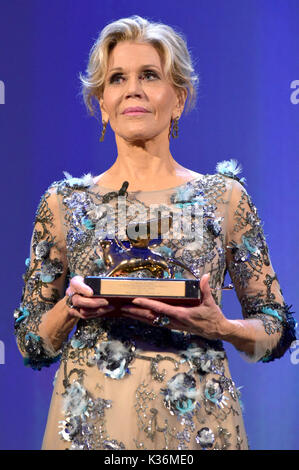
{"points": [[220, 184], [62, 189], [70, 183], [230, 169], [226, 169]]}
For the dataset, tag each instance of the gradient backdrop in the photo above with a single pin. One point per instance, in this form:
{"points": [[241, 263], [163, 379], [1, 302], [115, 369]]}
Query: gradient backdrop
{"points": [[246, 52]]}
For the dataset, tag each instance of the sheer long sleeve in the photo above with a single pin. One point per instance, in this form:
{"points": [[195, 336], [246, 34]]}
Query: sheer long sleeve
{"points": [[255, 281], [44, 283]]}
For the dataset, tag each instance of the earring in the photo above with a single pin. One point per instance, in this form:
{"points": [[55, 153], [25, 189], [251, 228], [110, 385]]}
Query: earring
{"points": [[103, 131], [174, 128]]}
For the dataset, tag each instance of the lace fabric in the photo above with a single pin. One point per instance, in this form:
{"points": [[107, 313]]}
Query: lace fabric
{"points": [[172, 389]]}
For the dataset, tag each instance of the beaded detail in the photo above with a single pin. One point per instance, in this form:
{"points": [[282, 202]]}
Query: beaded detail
{"points": [[186, 399]]}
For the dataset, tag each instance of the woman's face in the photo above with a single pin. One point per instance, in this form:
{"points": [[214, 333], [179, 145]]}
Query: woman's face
{"points": [[135, 78]]}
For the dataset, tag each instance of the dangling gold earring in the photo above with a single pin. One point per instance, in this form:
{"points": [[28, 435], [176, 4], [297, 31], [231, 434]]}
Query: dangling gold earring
{"points": [[169, 133], [103, 131], [173, 128]]}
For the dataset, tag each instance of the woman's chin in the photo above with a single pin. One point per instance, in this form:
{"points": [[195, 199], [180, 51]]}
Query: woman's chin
{"points": [[137, 137]]}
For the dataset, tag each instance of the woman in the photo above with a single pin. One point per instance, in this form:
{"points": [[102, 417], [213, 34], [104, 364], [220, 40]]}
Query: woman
{"points": [[147, 375]]}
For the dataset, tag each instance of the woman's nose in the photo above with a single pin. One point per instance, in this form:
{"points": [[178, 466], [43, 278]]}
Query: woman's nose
{"points": [[134, 86]]}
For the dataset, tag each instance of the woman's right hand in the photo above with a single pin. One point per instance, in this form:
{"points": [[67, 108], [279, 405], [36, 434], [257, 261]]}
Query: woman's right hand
{"points": [[86, 306]]}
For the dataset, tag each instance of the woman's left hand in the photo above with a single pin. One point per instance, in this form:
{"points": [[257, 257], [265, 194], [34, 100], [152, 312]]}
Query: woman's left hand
{"points": [[205, 319]]}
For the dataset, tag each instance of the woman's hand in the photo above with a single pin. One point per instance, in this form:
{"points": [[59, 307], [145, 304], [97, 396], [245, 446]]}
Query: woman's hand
{"points": [[84, 305], [205, 319]]}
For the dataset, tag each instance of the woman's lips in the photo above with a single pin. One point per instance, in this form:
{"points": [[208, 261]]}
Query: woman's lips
{"points": [[135, 111]]}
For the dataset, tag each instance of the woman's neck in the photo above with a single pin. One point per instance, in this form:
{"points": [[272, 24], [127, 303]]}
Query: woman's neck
{"points": [[145, 167]]}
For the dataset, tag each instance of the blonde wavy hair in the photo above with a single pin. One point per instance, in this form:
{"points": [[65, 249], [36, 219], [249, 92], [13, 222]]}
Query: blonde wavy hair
{"points": [[170, 44]]}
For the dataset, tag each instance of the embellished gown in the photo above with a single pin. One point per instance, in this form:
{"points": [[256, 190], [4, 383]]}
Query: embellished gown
{"points": [[124, 384]]}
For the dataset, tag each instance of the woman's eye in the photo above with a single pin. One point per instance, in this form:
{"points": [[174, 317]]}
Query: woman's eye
{"points": [[147, 73], [114, 78]]}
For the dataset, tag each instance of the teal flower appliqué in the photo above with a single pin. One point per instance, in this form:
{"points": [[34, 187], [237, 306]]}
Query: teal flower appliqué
{"points": [[230, 168], [83, 182]]}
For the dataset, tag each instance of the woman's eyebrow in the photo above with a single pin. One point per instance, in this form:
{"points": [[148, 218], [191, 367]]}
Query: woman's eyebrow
{"points": [[141, 67]]}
